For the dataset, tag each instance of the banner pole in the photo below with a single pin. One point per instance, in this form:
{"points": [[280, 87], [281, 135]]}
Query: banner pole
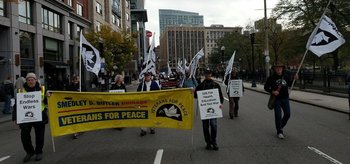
{"points": [[80, 62], [53, 144]]}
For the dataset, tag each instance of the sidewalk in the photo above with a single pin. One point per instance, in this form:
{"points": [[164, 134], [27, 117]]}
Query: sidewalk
{"points": [[331, 102], [334, 103]]}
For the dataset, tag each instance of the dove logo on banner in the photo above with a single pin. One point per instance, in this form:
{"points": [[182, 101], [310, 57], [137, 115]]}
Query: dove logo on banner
{"points": [[170, 111], [90, 55], [325, 38]]}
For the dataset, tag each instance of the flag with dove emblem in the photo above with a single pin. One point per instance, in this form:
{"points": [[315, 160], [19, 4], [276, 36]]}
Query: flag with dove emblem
{"points": [[325, 38], [91, 56]]}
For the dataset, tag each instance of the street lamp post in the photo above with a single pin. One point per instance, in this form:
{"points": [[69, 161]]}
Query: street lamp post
{"points": [[267, 58], [252, 39], [222, 60]]}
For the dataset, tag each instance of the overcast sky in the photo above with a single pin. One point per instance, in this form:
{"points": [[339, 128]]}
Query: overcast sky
{"points": [[230, 13]]}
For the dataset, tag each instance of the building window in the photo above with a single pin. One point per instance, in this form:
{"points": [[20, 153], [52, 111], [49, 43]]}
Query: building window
{"points": [[127, 17], [114, 21], [69, 30], [51, 20], [70, 3], [25, 12], [98, 8], [79, 9], [118, 22], [26, 44], [98, 26], [2, 8], [79, 30], [52, 49]]}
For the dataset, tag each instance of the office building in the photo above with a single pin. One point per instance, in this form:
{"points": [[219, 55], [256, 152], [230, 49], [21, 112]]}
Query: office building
{"points": [[43, 36], [168, 18]]}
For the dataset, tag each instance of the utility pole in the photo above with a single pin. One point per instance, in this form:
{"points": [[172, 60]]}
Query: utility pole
{"points": [[267, 57]]}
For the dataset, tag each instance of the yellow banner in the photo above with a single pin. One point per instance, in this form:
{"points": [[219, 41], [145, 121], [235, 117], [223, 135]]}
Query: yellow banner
{"points": [[72, 112]]}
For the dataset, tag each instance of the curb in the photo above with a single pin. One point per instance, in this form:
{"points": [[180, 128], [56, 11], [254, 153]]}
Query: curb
{"points": [[304, 102]]}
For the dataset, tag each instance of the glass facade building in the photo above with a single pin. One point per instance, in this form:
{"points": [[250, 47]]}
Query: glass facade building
{"points": [[169, 18]]}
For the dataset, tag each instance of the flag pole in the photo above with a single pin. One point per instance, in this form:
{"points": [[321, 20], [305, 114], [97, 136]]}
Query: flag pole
{"points": [[307, 49], [81, 33], [301, 63]]}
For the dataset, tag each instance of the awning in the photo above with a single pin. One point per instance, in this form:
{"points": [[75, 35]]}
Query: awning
{"points": [[56, 64]]}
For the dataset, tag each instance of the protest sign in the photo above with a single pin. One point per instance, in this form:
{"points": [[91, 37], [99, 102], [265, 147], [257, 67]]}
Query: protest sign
{"points": [[235, 88], [209, 104], [28, 107]]}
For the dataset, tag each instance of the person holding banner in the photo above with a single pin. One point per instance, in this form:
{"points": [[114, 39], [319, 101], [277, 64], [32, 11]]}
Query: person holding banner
{"points": [[75, 86], [118, 86], [233, 101], [210, 125], [277, 85], [119, 83], [32, 85], [147, 85]]}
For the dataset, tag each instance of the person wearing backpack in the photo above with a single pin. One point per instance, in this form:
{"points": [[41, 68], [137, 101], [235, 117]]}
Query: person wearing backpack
{"points": [[9, 94]]}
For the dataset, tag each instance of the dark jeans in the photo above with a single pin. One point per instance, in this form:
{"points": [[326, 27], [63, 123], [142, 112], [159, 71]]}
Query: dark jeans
{"points": [[281, 104], [7, 105], [234, 105], [39, 128], [210, 130]]}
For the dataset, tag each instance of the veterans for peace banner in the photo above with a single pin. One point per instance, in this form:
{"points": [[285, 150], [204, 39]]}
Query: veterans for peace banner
{"points": [[72, 112], [209, 104]]}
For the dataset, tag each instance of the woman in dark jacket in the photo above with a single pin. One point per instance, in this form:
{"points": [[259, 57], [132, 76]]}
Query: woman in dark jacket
{"points": [[119, 83]]}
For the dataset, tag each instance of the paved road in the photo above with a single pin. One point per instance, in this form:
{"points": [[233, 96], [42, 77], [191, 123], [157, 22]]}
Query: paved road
{"points": [[314, 135]]}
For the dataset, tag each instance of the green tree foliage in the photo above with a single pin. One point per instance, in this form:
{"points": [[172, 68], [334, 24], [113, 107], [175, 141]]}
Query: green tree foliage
{"points": [[302, 17], [232, 42], [117, 48]]}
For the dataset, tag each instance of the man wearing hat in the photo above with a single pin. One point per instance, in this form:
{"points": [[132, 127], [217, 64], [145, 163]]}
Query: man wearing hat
{"points": [[147, 85], [277, 85], [32, 85], [209, 125]]}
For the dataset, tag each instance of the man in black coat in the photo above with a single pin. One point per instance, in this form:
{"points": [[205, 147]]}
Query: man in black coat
{"points": [[277, 85], [210, 125]]}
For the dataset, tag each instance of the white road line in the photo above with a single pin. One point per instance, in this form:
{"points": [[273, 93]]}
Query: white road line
{"points": [[4, 158], [159, 155], [226, 99], [324, 155]]}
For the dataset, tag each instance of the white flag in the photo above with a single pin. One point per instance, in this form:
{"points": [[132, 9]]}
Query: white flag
{"points": [[180, 67], [150, 62], [194, 62], [169, 69], [325, 38], [229, 66], [90, 55]]}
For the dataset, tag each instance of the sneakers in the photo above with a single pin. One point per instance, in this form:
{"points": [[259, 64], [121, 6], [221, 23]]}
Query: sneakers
{"points": [[143, 133], [280, 136], [39, 157], [153, 131], [27, 158], [208, 147], [231, 116], [75, 136], [215, 147]]}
